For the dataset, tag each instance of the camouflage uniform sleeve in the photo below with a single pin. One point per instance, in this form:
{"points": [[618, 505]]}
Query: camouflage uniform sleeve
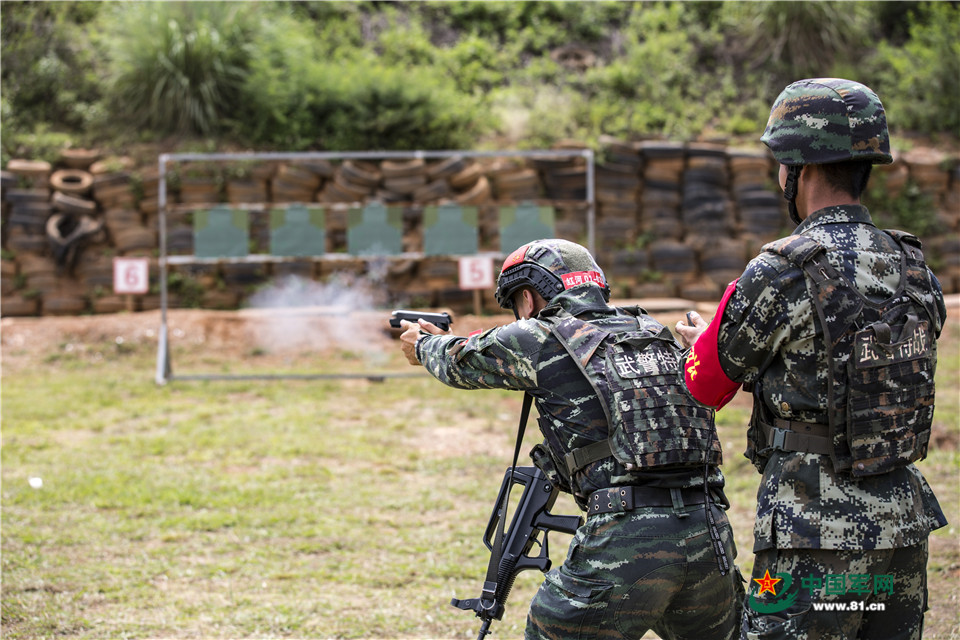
{"points": [[768, 310], [502, 358]]}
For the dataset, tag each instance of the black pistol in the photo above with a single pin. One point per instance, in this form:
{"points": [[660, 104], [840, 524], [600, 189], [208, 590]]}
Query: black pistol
{"points": [[441, 320]]}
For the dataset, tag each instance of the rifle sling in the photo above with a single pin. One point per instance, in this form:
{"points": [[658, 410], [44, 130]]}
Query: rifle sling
{"points": [[496, 553]]}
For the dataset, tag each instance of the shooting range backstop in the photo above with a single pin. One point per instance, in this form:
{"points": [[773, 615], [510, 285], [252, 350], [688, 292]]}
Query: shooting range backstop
{"points": [[374, 206]]}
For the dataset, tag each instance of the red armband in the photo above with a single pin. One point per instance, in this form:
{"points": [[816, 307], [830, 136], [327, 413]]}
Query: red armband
{"points": [[703, 374]]}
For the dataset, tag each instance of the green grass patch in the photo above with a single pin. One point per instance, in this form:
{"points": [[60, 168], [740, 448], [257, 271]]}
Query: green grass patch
{"points": [[295, 508]]}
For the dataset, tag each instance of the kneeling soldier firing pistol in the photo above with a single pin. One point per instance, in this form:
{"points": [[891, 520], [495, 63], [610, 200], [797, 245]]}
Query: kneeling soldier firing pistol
{"points": [[621, 433]]}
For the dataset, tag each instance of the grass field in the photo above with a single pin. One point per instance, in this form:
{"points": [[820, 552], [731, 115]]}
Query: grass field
{"points": [[305, 508]]}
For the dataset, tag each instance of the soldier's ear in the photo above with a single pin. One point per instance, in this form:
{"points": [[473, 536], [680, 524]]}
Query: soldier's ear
{"points": [[538, 301]]}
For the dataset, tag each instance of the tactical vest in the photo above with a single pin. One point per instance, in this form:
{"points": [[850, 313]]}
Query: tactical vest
{"points": [[635, 371], [882, 357]]}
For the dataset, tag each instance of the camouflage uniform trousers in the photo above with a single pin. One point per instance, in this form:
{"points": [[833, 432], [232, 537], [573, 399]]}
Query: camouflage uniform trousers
{"points": [[650, 568], [857, 580]]}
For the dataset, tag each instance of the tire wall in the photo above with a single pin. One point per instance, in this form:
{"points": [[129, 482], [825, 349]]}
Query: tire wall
{"points": [[672, 220]]}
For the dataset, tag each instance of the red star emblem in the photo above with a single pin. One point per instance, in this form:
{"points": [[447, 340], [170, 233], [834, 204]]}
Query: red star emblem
{"points": [[767, 583]]}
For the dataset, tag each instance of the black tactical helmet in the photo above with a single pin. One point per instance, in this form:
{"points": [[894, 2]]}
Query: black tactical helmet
{"points": [[549, 267]]}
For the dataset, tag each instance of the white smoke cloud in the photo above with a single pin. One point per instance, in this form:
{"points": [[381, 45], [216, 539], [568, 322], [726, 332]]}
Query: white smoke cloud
{"points": [[297, 315]]}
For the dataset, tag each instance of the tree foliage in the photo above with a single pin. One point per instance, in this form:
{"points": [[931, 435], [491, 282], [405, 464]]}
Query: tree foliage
{"points": [[337, 75], [48, 73], [921, 79]]}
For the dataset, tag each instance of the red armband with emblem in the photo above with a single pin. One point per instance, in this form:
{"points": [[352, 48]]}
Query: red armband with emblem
{"points": [[703, 374]]}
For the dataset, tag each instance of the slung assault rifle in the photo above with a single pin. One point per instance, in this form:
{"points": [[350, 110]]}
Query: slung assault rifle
{"points": [[510, 548]]}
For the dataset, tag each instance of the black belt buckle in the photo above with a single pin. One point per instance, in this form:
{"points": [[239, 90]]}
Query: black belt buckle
{"points": [[778, 438]]}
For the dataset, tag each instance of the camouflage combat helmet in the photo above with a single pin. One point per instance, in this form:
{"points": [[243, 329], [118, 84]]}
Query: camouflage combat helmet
{"points": [[825, 120], [549, 267]]}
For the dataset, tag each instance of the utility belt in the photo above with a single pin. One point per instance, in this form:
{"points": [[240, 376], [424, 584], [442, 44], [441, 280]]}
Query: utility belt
{"points": [[617, 499], [804, 437]]}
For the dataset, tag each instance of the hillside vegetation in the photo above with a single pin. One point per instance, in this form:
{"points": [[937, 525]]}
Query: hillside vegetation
{"points": [[429, 75]]}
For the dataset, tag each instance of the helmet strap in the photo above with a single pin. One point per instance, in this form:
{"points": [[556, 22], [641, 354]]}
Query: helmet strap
{"points": [[790, 192]]}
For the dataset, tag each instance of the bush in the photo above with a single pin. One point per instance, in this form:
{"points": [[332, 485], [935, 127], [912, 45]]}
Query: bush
{"points": [[919, 83], [178, 66], [666, 81], [911, 209], [369, 106], [794, 40], [347, 75], [50, 70], [536, 116], [295, 98], [534, 26]]}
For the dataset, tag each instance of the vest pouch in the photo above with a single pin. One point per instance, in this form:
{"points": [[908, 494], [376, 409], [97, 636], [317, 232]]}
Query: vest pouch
{"points": [[890, 395], [655, 421], [543, 459]]}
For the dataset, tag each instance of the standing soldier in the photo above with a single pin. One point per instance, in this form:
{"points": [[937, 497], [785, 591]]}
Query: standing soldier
{"points": [[622, 435], [834, 329]]}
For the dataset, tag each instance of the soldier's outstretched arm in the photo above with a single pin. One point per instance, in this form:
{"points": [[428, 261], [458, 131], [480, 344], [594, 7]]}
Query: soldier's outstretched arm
{"points": [[505, 357]]}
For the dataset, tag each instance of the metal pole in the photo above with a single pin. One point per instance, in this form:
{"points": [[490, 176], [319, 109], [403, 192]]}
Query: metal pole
{"points": [[371, 155], [163, 347], [373, 377]]}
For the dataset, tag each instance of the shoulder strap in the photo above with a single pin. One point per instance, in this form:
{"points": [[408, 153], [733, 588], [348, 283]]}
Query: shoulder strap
{"points": [[524, 415], [909, 243], [581, 339], [915, 274], [797, 249], [810, 257]]}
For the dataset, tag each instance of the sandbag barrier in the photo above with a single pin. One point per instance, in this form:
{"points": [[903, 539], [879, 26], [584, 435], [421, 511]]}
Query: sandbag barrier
{"points": [[672, 219]]}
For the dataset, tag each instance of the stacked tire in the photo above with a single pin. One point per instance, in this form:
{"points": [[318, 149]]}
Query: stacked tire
{"points": [[759, 203], [26, 209], [617, 188], [706, 208], [660, 199]]}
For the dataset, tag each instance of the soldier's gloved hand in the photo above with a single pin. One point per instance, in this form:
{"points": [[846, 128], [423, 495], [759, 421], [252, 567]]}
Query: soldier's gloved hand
{"points": [[690, 332], [411, 333]]}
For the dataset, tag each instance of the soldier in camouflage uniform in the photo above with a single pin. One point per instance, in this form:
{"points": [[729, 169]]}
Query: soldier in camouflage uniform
{"points": [[843, 515], [644, 559]]}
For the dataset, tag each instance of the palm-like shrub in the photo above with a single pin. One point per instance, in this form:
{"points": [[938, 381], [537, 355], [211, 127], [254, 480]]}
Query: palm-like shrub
{"points": [[797, 39], [177, 66]]}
